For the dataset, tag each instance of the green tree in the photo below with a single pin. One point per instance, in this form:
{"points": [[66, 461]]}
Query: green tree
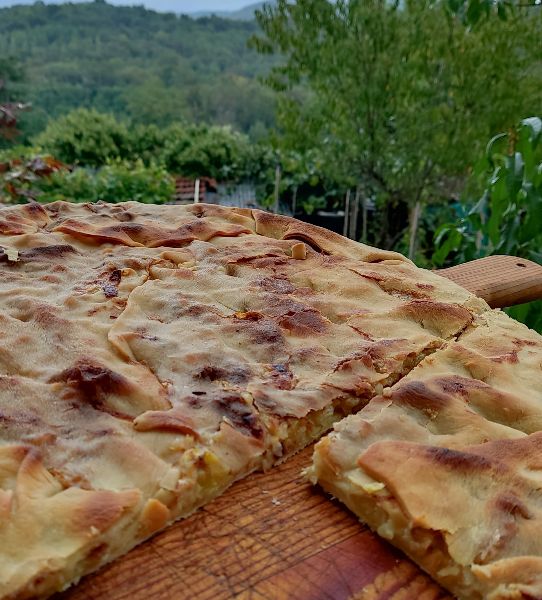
{"points": [[398, 95]]}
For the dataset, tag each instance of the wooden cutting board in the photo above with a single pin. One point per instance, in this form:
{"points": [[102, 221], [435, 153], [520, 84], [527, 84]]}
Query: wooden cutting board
{"points": [[273, 536]]}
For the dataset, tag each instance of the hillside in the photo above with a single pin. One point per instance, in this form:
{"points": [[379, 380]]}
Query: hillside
{"points": [[148, 66], [243, 14]]}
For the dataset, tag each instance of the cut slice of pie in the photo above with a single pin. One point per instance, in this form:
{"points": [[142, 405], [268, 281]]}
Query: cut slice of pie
{"points": [[150, 356], [447, 464]]}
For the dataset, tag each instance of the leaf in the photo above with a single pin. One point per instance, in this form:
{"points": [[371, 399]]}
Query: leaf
{"points": [[451, 243], [490, 147], [535, 125]]}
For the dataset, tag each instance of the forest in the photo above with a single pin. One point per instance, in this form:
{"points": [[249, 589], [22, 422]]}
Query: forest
{"points": [[420, 120], [135, 63]]}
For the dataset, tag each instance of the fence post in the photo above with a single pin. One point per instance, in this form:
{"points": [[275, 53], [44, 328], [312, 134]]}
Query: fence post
{"points": [[196, 191], [346, 213], [355, 213], [415, 218], [277, 188]]}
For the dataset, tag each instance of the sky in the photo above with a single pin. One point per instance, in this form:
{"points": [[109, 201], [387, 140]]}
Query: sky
{"points": [[178, 6], [188, 5]]}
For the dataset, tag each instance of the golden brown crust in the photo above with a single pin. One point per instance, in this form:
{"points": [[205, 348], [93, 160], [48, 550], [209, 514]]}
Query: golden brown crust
{"points": [[150, 356], [320, 239], [446, 463]]}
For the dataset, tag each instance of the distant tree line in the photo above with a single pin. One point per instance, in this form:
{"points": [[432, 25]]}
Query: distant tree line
{"points": [[137, 64]]}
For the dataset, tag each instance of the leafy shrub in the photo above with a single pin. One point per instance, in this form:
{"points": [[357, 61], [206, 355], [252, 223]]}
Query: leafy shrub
{"points": [[200, 150], [115, 182], [506, 218], [86, 137], [45, 179]]}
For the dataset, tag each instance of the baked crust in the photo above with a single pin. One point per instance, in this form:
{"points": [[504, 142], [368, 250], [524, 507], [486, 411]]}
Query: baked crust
{"points": [[446, 463], [150, 356]]}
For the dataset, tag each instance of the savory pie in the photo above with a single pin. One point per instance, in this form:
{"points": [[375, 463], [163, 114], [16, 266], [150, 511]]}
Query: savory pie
{"points": [[447, 464], [151, 356]]}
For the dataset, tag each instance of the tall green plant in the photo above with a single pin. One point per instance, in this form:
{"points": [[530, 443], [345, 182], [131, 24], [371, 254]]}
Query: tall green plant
{"points": [[506, 217]]}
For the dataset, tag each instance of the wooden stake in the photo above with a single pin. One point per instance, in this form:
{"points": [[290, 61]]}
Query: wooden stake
{"points": [[196, 191], [277, 188], [415, 217], [354, 216], [294, 201], [346, 213], [364, 219]]}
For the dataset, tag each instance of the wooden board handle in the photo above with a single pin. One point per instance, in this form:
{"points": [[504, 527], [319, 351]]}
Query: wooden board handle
{"points": [[500, 280]]}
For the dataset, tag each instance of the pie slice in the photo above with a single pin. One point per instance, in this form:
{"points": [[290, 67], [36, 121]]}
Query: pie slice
{"points": [[151, 356], [447, 464]]}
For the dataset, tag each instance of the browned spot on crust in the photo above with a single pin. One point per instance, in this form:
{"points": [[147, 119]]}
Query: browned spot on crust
{"points": [[417, 395], [251, 315], [363, 334], [264, 262], [509, 503], [304, 323], [110, 287], [48, 252], [93, 383], [456, 460], [281, 377], [522, 342], [371, 275], [508, 357], [261, 331], [239, 414], [310, 241], [277, 285], [457, 385], [236, 374], [35, 211]]}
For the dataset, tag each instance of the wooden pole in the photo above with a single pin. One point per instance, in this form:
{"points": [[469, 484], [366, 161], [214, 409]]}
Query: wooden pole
{"points": [[415, 217], [364, 219], [294, 201], [355, 213], [196, 191], [346, 213], [277, 189]]}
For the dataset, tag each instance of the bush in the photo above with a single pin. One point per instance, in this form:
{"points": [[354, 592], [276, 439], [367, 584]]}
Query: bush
{"points": [[202, 151], [86, 137], [116, 182], [45, 179]]}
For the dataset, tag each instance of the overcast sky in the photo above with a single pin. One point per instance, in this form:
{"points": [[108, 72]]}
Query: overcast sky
{"points": [[178, 6], [189, 5]]}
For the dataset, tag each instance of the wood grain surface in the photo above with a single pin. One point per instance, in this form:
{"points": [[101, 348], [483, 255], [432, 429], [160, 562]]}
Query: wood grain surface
{"points": [[273, 536], [499, 280]]}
